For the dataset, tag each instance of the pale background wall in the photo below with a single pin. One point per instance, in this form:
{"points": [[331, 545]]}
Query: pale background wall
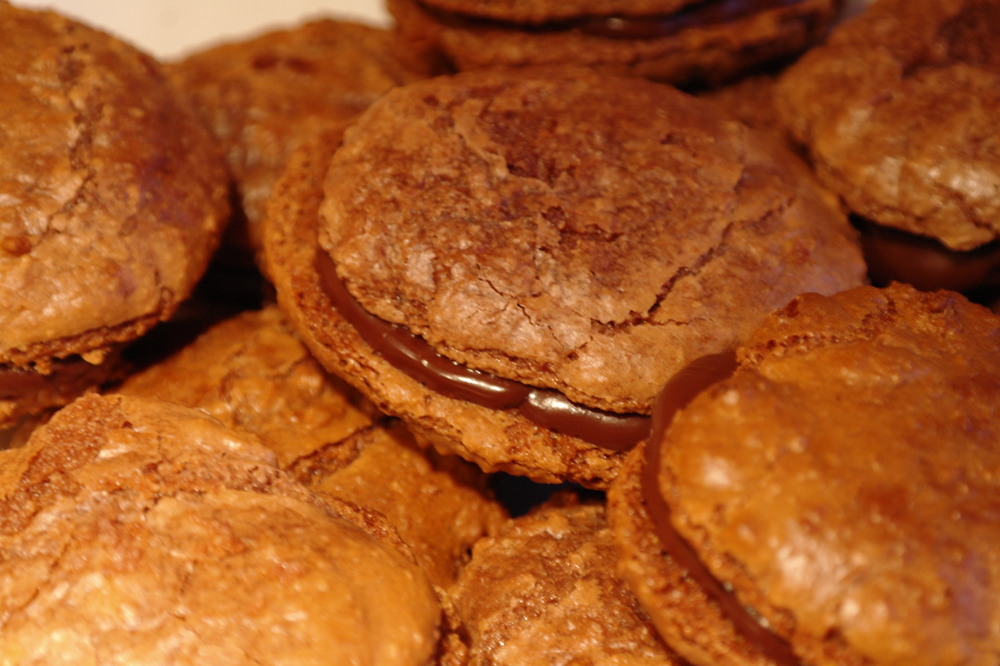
{"points": [[168, 28]]}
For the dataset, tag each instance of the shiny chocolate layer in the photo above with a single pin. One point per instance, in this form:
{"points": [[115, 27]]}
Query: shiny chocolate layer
{"points": [[676, 393], [698, 16], [923, 262], [411, 355], [16, 382], [638, 27]]}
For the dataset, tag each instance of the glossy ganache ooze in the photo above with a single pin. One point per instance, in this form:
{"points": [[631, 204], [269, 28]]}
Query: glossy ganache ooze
{"points": [[411, 355], [681, 389], [630, 27], [895, 255], [17, 382]]}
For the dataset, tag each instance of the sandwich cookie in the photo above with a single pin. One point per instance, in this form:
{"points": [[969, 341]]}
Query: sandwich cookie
{"points": [[899, 112], [673, 41], [112, 200], [514, 261], [834, 500]]}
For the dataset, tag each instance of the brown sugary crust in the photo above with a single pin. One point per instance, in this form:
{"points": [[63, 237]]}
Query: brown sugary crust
{"points": [[751, 100], [112, 196], [544, 591], [120, 194], [899, 112], [133, 528], [574, 231], [254, 374], [438, 514], [709, 53], [262, 96], [857, 440], [494, 440]]}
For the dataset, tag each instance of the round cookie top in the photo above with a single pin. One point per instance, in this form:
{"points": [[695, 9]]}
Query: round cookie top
{"points": [[843, 480], [136, 530], [574, 231], [261, 97], [543, 591], [112, 195], [899, 111]]}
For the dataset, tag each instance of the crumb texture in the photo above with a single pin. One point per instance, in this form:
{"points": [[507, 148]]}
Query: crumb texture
{"points": [[253, 374], [261, 97], [135, 531], [543, 591]]}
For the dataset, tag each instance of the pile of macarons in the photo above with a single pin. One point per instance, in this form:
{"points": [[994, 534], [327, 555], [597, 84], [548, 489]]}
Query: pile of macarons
{"points": [[534, 331]]}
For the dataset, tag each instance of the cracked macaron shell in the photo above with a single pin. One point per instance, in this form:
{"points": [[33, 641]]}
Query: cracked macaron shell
{"points": [[112, 195], [574, 231], [543, 591], [134, 530]]}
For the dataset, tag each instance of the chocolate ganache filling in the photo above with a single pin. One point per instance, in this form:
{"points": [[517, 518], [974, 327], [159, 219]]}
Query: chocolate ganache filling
{"points": [[675, 394], [17, 382], [411, 355], [645, 26], [892, 254]]}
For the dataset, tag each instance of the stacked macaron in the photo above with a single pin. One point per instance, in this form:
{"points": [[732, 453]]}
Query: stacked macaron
{"points": [[495, 251], [112, 201], [834, 500]]}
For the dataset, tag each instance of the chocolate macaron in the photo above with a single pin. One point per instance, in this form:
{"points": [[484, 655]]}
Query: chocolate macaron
{"points": [[835, 500], [514, 261], [113, 197], [672, 41], [899, 112]]}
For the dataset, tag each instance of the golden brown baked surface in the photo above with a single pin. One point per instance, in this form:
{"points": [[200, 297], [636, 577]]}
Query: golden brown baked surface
{"points": [[574, 231], [261, 97], [112, 195], [522, 34], [751, 100], [112, 200], [842, 481], [543, 591], [253, 374], [899, 112], [685, 617], [438, 510], [138, 531]]}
